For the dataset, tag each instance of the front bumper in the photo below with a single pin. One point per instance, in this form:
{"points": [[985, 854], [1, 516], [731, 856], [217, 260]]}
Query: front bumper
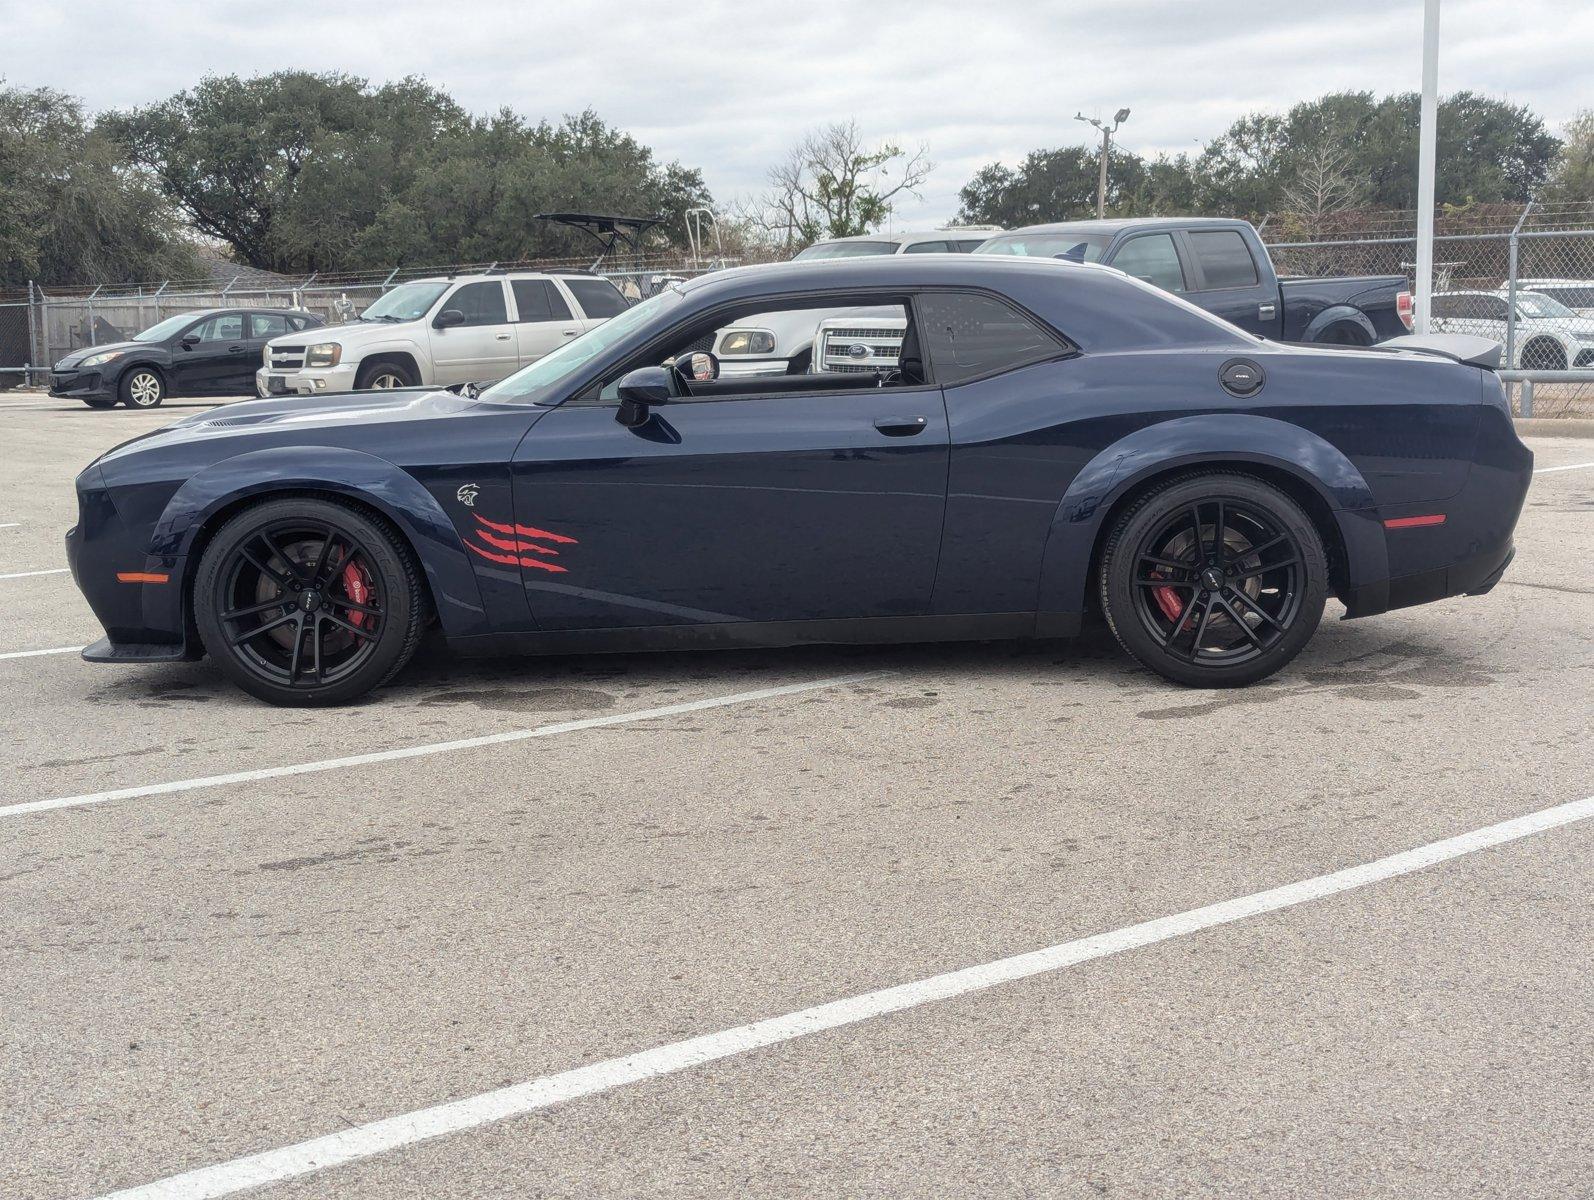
{"points": [[81, 385], [304, 381]]}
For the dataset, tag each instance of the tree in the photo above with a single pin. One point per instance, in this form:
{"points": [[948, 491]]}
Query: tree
{"points": [[832, 184], [1060, 185], [72, 209], [1572, 179], [1325, 182]]}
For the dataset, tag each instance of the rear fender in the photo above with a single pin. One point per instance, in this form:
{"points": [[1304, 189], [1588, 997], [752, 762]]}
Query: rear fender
{"points": [[1339, 314], [343, 472], [1196, 441]]}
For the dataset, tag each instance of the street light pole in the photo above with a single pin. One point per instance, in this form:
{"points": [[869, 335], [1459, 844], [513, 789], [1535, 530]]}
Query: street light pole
{"points": [[1107, 131], [1426, 136]]}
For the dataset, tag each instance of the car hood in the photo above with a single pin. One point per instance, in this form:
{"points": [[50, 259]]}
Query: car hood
{"points": [[77, 356], [349, 333], [310, 416]]}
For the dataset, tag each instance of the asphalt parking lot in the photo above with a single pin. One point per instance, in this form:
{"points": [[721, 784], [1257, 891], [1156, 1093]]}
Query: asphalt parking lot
{"points": [[198, 974]]}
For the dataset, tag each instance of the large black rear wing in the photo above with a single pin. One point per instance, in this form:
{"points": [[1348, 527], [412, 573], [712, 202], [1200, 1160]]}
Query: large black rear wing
{"points": [[1457, 347]]}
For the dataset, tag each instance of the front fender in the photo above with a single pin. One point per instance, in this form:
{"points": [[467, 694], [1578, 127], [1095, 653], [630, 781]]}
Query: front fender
{"points": [[1205, 440], [352, 473], [1339, 314]]}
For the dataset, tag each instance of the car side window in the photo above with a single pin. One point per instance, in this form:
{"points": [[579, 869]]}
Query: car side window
{"points": [[599, 298], [926, 248], [965, 247], [967, 335], [538, 300], [1225, 259], [482, 303], [227, 327], [1153, 258], [1494, 308], [267, 325]]}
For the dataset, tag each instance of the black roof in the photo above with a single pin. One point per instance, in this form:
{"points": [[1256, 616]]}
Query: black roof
{"points": [[1118, 224]]}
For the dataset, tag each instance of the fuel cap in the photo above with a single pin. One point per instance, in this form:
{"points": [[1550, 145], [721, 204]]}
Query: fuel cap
{"points": [[1241, 377]]}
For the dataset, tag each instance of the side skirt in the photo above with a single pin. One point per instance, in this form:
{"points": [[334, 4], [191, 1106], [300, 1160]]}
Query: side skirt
{"points": [[736, 635]]}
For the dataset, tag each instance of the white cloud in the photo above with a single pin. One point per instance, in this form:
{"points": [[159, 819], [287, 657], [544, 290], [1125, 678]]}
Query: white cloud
{"points": [[728, 86]]}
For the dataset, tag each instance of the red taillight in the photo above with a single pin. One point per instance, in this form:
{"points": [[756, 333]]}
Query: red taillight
{"points": [[1405, 310], [1414, 522]]}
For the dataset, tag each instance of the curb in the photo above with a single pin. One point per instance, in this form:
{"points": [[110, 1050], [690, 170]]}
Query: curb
{"points": [[1580, 427]]}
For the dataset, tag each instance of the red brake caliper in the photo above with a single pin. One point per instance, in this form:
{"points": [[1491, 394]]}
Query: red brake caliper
{"points": [[357, 586], [1168, 600]]}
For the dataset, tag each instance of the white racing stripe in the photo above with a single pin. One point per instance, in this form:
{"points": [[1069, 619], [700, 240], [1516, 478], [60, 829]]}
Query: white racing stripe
{"points": [[384, 756], [1569, 467], [377, 1137], [27, 574], [39, 653]]}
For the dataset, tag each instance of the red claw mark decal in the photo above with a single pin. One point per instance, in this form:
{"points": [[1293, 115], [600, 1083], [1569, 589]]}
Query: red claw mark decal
{"points": [[505, 544]]}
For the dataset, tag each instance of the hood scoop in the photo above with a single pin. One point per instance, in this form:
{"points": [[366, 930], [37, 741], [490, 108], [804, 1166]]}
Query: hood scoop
{"points": [[234, 422]]}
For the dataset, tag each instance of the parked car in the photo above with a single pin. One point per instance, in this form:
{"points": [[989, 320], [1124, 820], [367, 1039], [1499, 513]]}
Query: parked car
{"points": [[776, 344], [208, 353], [1549, 335], [1223, 266], [1576, 294], [1057, 438], [441, 331]]}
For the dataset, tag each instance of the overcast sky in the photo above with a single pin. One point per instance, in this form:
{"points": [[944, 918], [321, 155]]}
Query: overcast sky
{"points": [[726, 87]]}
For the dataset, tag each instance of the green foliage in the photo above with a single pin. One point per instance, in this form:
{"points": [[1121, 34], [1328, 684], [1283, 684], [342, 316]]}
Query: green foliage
{"points": [[1321, 152], [71, 207], [303, 172], [1572, 181]]}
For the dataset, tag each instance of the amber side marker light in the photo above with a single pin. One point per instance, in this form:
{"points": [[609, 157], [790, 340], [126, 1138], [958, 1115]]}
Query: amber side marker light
{"points": [[1414, 522], [141, 577]]}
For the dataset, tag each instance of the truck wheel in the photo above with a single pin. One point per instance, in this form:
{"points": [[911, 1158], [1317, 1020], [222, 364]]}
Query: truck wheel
{"points": [[142, 387], [307, 602], [384, 375], [1214, 579]]}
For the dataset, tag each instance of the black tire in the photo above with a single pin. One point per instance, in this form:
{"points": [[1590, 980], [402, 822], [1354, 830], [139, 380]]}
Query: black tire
{"points": [[99, 401], [382, 375], [304, 601], [1344, 334], [800, 362], [1208, 619], [141, 387], [1543, 355]]}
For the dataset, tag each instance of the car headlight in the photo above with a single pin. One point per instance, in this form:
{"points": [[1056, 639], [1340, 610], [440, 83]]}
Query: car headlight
{"points": [[265, 356], [327, 354], [1584, 337], [99, 360], [748, 341]]}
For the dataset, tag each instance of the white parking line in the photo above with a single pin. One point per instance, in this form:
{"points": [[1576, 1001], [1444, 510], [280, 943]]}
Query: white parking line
{"points": [[10, 524], [1569, 467], [27, 574], [38, 653], [382, 756], [377, 1137]]}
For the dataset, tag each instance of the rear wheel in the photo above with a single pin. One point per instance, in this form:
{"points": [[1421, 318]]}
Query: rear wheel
{"points": [[385, 375], [1344, 334], [142, 387], [1214, 580], [305, 602]]}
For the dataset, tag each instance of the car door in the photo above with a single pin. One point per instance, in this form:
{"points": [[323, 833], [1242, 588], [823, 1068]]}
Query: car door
{"points": [[212, 356], [482, 348], [544, 320], [1228, 282], [790, 500], [263, 326], [1154, 259]]}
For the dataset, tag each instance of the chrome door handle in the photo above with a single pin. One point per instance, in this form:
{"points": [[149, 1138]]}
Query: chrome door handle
{"points": [[570, 333], [502, 337], [1266, 311]]}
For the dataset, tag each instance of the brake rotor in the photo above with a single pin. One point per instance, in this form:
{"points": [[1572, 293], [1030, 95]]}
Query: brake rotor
{"points": [[1169, 600]]}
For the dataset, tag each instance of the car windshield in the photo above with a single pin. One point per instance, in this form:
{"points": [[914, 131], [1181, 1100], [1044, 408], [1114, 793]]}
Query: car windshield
{"points": [[543, 379], [165, 329], [407, 302], [845, 250], [1533, 304], [1059, 243]]}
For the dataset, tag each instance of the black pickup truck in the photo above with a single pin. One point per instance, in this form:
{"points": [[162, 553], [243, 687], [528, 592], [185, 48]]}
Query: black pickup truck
{"points": [[1223, 266]]}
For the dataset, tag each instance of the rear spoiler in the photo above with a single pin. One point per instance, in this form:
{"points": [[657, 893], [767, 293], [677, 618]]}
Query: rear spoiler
{"points": [[1457, 347]]}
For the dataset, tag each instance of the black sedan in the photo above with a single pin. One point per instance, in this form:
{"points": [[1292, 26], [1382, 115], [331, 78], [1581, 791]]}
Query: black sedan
{"points": [[1020, 443], [210, 353]]}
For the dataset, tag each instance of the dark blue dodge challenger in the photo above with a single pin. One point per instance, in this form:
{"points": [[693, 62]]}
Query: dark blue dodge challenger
{"points": [[993, 449]]}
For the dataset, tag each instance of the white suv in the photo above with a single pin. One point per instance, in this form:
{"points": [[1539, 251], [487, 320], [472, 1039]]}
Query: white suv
{"points": [[779, 343], [1549, 335], [437, 332]]}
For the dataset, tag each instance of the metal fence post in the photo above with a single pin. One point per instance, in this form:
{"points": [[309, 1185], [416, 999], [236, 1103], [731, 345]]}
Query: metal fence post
{"points": [[1527, 397], [33, 339], [93, 333], [1511, 296]]}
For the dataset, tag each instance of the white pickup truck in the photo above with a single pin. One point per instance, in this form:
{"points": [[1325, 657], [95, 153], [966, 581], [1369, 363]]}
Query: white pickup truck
{"points": [[437, 332]]}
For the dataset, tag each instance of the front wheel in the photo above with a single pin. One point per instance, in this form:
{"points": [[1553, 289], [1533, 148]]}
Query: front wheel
{"points": [[308, 602], [1214, 580], [142, 387], [383, 376]]}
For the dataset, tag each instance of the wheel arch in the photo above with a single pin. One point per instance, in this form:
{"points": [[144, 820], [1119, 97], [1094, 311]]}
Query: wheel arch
{"points": [[1339, 314], [390, 357], [213, 496], [1554, 340], [164, 370], [1309, 470]]}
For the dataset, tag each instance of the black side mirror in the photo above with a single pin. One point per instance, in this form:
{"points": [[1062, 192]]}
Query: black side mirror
{"points": [[448, 318], [640, 390], [190, 340]]}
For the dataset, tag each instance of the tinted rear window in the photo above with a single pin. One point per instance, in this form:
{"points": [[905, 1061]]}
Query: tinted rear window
{"points": [[969, 335], [538, 300], [598, 297], [1224, 257]]}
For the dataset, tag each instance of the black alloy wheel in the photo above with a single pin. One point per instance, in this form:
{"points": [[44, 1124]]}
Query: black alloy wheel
{"points": [[305, 601], [1216, 580]]}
